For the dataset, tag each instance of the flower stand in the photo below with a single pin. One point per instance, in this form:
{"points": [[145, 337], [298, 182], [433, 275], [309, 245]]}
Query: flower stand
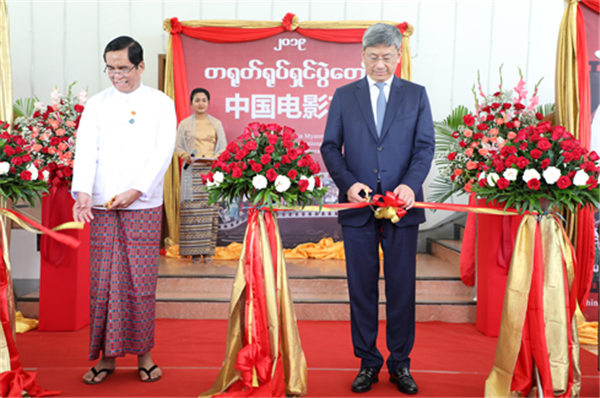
{"points": [[263, 357], [537, 344], [64, 274]]}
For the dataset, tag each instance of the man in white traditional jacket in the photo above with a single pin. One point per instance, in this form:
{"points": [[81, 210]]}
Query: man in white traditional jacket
{"points": [[124, 146]]}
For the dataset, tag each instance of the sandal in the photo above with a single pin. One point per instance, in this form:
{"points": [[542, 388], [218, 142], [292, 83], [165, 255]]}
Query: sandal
{"points": [[150, 379], [96, 372]]}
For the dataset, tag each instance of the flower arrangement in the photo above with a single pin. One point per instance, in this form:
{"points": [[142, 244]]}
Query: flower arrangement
{"points": [[541, 163], [20, 178], [466, 141], [266, 164], [51, 131]]}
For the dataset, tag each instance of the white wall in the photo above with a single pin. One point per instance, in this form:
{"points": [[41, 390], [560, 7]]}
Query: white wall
{"points": [[56, 42]]}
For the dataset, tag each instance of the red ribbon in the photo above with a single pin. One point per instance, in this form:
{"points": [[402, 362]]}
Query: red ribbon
{"points": [[390, 200], [176, 27], [287, 20]]}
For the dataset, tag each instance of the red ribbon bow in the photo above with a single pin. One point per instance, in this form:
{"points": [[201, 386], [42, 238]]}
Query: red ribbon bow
{"points": [[390, 200], [176, 26]]}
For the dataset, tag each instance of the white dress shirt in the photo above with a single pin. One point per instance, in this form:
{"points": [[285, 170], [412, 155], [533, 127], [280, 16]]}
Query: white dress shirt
{"points": [[125, 141], [374, 91]]}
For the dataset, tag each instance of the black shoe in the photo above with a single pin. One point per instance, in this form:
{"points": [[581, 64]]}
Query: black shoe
{"points": [[365, 378], [402, 378]]}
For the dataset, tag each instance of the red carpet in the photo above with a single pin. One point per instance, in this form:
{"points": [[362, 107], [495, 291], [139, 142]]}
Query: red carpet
{"points": [[448, 360]]}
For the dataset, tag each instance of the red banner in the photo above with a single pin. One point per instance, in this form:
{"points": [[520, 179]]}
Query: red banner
{"points": [[286, 79]]}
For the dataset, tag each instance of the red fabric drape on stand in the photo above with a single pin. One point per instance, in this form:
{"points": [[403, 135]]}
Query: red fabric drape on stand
{"points": [[17, 380], [585, 247]]}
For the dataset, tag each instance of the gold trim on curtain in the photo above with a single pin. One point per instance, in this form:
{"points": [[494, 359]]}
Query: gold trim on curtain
{"points": [[566, 86], [6, 94], [171, 207]]}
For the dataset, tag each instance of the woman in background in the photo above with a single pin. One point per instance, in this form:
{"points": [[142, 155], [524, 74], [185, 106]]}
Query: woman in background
{"points": [[200, 139]]}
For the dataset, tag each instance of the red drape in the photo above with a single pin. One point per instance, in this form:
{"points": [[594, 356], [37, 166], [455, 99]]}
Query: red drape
{"points": [[584, 248], [233, 35], [593, 4]]}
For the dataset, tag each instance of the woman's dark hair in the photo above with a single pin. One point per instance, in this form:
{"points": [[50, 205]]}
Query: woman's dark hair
{"points": [[199, 90], [135, 53]]}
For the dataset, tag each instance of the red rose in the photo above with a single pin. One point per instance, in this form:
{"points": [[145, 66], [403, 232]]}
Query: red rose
{"points": [[317, 182], [273, 138], [506, 105], [287, 144], [510, 125], [539, 116], [545, 164], [563, 182], [502, 183], [482, 127], [522, 162], [78, 108], [315, 168], [26, 175], [495, 105], [67, 171], [544, 144], [292, 153], [236, 172], [468, 120], [276, 165], [510, 160], [271, 175], [455, 134], [302, 185], [266, 158], [292, 174], [482, 183], [274, 127], [523, 146], [269, 149], [16, 161], [242, 153], [535, 153], [251, 145], [225, 156], [519, 106], [233, 147], [462, 144], [9, 151], [452, 156], [285, 159], [534, 184], [490, 117], [26, 158], [256, 167], [594, 156], [592, 182]]}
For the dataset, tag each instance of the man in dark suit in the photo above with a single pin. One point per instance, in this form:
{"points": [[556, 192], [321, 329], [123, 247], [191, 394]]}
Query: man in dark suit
{"points": [[379, 137]]}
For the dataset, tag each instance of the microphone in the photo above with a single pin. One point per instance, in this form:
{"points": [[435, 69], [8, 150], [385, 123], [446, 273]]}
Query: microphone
{"points": [[185, 166]]}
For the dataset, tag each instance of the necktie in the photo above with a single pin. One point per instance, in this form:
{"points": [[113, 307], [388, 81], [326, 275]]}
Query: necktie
{"points": [[380, 107]]}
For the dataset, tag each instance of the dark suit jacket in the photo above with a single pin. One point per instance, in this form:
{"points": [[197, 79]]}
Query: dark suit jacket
{"points": [[352, 152]]}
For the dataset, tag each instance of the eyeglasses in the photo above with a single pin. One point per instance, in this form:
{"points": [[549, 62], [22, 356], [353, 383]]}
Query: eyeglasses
{"points": [[387, 58], [118, 71]]}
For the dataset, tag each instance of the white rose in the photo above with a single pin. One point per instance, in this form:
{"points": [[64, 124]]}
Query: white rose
{"points": [[551, 175], [45, 175], [580, 178], [259, 182], [531, 173], [481, 175], [282, 183], [492, 178], [511, 174], [4, 167], [34, 171], [218, 177]]}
